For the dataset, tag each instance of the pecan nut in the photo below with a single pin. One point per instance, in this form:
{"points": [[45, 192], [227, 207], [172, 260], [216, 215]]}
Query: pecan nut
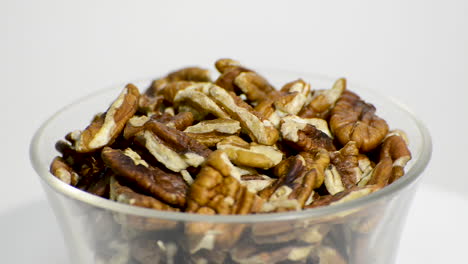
{"points": [[60, 169], [210, 132], [322, 101], [195, 96], [250, 155], [260, 131], [216, 188], [395, 146], [352, 119], [347, 164], [298, 176], [168, 187], [172, 147], [194, 74], [306, 134], [104, 129]]}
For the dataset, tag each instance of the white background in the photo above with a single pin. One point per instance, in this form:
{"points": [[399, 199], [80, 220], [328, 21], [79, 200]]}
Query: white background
{"points": [[53, 52]]}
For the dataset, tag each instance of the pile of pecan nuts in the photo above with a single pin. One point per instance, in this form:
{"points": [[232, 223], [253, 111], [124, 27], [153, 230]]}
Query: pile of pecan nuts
{"points": [[233, 145]]}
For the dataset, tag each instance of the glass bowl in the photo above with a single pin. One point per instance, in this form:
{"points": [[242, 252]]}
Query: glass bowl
{"points": [[365, 230]]}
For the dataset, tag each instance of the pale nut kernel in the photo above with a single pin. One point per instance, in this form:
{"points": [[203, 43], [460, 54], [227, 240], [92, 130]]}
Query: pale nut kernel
{"points": [[221, 125], [306, 134], [333, 181], [103, 130], [60, 169], [250, 155], [254, 86], [260, 131], [320, 102], [195, 96], [293, 98]]}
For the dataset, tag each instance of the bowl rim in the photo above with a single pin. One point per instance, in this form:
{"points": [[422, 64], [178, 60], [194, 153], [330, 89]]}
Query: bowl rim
{"points": [[68, 191]]}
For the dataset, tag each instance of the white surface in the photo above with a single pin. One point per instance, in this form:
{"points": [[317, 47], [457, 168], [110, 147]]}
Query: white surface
{"points": [[52, 52]]}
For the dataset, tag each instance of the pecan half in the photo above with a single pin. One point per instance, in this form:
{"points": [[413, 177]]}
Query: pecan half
{"points": [[306, 134], [260, 131], [344, 196], [229, 70], [170, 188], [60, 169], [172, 147], [217, 189], [293, 97], [194, 74], [104, 129], [149, 104], [382, 172], [211, 236], [395, 147], [222, 65], [347, 165], [322, 101], [255, 87], [126, 195], [298, 176], [137, 124], [196, 97], [352, 119], [250, 155]]}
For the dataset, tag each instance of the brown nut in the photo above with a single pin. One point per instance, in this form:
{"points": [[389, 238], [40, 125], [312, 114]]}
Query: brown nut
{"points": [[266, 111], [194, 74], [352, 119], [229, 70], [382, 172], [126, 195], [137, 124], [210, 132], [216, 188], [150, 104], [250, 155], [64, 172], [293, 97], [172, 147], [260, 131], [169, 187], [344, 196], [221, 125], [322, 101], [211, 236], [306, 134], [88, 166], [366, 167], [395, 146], [332, 181], [222, 65], [99, 184], [196, 96], [255, 87], [103, 130], [347, 165], [298, 176]]}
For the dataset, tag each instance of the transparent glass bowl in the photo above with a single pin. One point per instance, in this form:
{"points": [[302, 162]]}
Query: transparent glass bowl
{"points": [[365, 230]]}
